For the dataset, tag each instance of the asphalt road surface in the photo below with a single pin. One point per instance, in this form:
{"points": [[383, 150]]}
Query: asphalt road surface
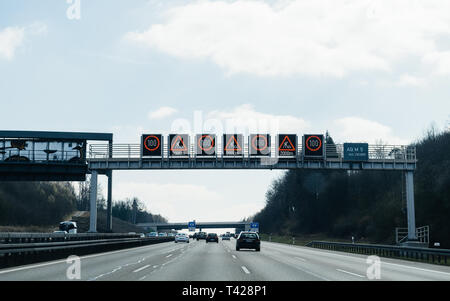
{"points": [[220, 261]]}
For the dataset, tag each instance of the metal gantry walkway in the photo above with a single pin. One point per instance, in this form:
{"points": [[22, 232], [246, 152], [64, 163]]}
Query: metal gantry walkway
{"points": [[103, 157]]}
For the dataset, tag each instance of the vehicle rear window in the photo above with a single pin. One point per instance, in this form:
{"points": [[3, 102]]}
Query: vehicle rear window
{"points": [[249, 235]]}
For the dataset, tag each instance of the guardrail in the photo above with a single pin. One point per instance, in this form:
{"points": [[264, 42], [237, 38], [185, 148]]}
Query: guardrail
{"points": [[435, 256], [13, 254], [18, 238]]}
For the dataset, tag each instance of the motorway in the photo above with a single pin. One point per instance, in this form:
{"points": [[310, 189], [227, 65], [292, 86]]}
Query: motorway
{"points": [[211, 261]]}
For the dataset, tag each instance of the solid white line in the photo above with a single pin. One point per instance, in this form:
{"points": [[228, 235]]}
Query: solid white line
{"points": [[350, 273], [140, 269], [420, 269], [362, 258], [234, 256], [245, 270], [169, 255]]}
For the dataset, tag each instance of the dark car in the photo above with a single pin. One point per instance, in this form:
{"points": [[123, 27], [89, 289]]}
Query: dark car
{"points": [[248, 240], [212, 237], [201, 235]]}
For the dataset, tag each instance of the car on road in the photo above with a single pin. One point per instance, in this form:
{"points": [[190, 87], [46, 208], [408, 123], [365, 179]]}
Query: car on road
{"points": [[162, 234], [226, 237], [153, 234], [181, 237], [201, 235], [212, 237], [248, 240]]}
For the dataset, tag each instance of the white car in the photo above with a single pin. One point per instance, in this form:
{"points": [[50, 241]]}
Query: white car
{"points": [[181, 237]]}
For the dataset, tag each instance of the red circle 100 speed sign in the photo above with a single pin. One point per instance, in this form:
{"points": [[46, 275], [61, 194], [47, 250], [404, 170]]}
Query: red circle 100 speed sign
{"points": [[151, 145], [313, 145]]}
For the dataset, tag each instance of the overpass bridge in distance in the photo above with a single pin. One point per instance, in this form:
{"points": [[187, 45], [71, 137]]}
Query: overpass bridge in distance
{"points": [[240, 226]]}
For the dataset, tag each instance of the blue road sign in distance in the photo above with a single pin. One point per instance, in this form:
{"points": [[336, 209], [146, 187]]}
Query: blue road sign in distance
{"points": [[254, 225], [356, 151], [191, 226]]}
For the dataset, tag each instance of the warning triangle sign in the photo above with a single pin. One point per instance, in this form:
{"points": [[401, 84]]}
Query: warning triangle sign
{"points": [[232, 145], [178, 145], [286, 145]]}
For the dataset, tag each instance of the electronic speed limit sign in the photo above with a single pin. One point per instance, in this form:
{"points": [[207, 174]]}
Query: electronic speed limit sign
{"points": [[151, 145], [313, 146], [206, 145], [259, 144]]}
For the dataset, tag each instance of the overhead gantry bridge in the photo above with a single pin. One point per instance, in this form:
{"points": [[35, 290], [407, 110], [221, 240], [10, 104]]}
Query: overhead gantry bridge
{"points": [[259, 152], [68, 156], [240, 226]]}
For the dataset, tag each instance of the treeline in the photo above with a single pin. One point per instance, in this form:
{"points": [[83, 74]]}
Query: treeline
{"points": [[129, 210], [35, 203], [134, 211], [365, 204], [48, 203]]}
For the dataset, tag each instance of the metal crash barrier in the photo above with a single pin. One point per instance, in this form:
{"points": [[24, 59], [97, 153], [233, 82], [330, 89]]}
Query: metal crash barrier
{"points": [[14, 254], [436, 256]]}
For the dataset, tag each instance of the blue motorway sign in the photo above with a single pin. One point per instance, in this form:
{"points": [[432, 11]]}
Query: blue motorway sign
{"points": [[191, 226], [356, 151], [254, 225]]}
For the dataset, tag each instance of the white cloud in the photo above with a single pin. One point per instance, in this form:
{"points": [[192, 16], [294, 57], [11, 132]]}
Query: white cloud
{"points": [[162, 112], [10, 39], [309, 37], [173, 200], [355, 129], [440, 61], [410, 80], [245, 119]]}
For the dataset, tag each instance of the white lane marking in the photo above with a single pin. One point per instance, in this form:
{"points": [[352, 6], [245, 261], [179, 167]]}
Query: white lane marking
{"points": [[298, 268], [169, 255], [82, 257], [350, 273], [234, 256], [140, 269], [245, 270], [105, 274], [142, 278], [364, 259], [299, 258], [420, 269], [155, 266]]}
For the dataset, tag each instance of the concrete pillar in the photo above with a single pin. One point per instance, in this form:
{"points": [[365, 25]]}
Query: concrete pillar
{"points": [[409, 176], [93, 203], [109, 203]]}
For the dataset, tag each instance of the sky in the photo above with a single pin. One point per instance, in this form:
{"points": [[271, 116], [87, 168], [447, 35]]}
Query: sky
{"points": [[364, 70]]}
